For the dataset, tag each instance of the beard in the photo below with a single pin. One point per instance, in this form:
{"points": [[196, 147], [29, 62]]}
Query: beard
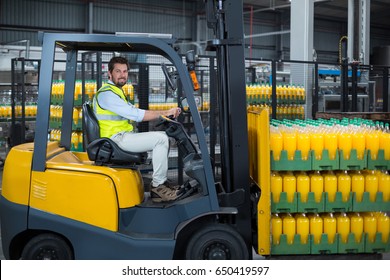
{"points": [[120, 83]]}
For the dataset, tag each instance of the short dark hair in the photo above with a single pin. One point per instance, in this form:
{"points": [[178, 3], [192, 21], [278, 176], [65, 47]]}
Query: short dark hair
{"points": [[119, 60]]}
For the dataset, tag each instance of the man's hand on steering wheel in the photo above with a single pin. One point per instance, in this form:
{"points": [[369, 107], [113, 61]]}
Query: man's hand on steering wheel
{"points": [[174, 112]]}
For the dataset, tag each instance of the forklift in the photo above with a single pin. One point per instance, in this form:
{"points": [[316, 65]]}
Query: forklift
{"points": [[60, 204]]}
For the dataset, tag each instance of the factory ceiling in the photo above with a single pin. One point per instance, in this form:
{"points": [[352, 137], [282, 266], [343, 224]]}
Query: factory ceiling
{"points": [[327, 9]]}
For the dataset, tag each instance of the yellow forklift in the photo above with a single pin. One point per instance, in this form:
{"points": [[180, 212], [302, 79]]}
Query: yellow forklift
{"points": [[61, 204], [56, 203]]}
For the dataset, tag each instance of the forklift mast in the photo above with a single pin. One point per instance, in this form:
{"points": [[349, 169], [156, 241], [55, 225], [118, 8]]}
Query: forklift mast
{"points": [[225, 17]]}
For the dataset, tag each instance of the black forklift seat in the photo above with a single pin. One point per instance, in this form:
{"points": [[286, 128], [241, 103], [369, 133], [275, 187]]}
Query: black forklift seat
{"points": [[104, 151]]}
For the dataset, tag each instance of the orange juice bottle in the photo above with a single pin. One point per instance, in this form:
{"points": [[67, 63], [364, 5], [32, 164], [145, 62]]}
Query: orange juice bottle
{"points": [[289, 185], [317, 143], [289, 227], [383, 226], [2, 111], [370, 225], [268, 92], [61, 89], [330, 226], [80, 135], [317, 185], [372, 142], [131, 92], [330, 185], [51, 138], [290, 142], [303, 227], [303, 185], [316, 227], [75, 115], [278, 92], [343, 226], [384, 185], [124, 88], [54, 89], [357, 185], [357, 226], [344, 185], [276, 186], [276, 142], [303, 143], [88, 89], [359, 143], [60, 111], [75, 140], [345, 142], [80, 111], [371, 184], [249, 94], [330, 143], [384, 141], [78, 90], [276, 228]]}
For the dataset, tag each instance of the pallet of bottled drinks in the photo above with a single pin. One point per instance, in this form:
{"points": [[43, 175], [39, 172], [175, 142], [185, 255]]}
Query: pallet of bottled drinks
{"points": [[330, 187], [291, 99]]}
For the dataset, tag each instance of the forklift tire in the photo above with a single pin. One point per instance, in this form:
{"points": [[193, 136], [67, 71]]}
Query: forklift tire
{"points": [[217, 242], [47, 246]]}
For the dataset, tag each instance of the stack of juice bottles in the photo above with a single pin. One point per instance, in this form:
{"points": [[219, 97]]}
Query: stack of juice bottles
{"points": [[358, 139], [5, 111], [324, 208], [262, 93], [77, 141], [338, 232], [290, 99], [161, 106], [77, 118], [90, 88], [55, 113], [128, 89], [58, 89], [55, 122], [289, 111], [30, 110], [330, 190], [55, 135]]}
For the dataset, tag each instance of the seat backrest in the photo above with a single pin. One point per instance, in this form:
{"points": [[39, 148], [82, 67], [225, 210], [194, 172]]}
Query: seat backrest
{"points": [[104, 151], [91, 124]]}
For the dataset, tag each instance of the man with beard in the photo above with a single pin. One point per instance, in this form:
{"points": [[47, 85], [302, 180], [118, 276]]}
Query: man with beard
{"points": [[114, 111]]}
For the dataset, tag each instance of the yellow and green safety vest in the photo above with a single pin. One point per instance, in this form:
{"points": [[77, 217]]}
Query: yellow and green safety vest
{"points": [[110, 123]]}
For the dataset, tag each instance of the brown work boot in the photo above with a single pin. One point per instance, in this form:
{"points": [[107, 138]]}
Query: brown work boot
{"points": [[165, 193]]}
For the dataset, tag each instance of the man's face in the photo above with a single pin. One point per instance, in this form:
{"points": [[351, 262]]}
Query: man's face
{"points": [[119, 74]]}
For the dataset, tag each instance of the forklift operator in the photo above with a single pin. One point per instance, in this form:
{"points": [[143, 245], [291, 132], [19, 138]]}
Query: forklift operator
{"points": [[113, 112]]}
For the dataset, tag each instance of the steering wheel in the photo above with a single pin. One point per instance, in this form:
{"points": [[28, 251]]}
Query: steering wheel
{"points": [[166, 121], [169, 75]]}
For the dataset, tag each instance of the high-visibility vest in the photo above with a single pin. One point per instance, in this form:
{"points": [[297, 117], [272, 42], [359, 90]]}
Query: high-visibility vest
{"points": [[110, 123]]}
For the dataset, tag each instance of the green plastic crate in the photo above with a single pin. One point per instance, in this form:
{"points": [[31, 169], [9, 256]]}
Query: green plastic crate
{"points": [[284, 206], [296, 248]]}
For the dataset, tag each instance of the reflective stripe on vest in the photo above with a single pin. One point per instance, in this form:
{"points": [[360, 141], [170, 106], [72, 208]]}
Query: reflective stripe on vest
{"points": [[110, 123]]}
